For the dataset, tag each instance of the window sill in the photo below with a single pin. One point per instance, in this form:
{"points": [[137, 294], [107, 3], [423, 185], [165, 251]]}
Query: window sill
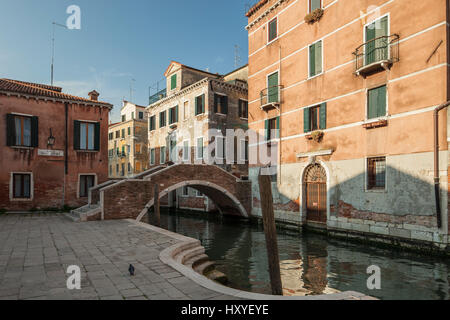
{"points": [[376, 191], [87, 151], [221, 114], [315, 76], [21, 199], [271, 41], [22, 148], [375, 123]]}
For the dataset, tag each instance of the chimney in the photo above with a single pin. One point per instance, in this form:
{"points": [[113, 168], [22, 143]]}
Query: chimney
{"points": [[93, 95]]}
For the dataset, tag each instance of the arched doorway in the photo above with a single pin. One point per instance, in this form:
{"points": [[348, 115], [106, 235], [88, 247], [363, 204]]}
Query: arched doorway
{"points": [[316, 194]]}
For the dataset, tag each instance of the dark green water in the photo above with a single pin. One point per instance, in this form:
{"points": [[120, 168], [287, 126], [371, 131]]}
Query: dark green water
{"points": [[310, 263]]}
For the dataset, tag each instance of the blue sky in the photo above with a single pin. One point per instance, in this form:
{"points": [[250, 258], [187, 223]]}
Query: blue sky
{"points": [[119, 41]]}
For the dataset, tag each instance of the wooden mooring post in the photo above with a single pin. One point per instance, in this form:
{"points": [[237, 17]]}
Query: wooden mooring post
{"points": [[270, 230], [156, 206]]}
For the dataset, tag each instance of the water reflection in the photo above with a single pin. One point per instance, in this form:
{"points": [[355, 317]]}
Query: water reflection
{"points": [[311, 264]]}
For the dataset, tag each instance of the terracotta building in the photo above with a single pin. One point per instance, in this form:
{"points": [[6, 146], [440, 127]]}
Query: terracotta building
{"points": [[350, 88], [54, 146], [128, 139], [197, 107]]}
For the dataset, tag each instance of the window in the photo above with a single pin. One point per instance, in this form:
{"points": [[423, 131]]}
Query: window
{"points": [[186, 150], [244, 150], [377, 50], [220, 147], [21, 186], [273, 32], [138, 166], [123, 133], [173, 82], [173, 115], [110, 136], [186, 110], [86, 182], [243, 109], [376, 104], [198, 194], [123, 118], [141, 115], [162, 119], [86, 136], [129, 167], [123, 169], [376, 173], [132, 115], [315, 59], [315, 118], [137, 148], [162, 155], [151, 123], [200, 148], [117, 134], [129, 131], [185, 191], [200, 105], [220, 104], [314, 4], [272, 88], [117, 168], [22, 131], [152, 156], [272, 127], [110, 169]]}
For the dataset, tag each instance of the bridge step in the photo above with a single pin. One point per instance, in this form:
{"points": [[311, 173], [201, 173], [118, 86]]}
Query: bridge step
{"points": [[190, 253], [194, 261], [204, 267]]}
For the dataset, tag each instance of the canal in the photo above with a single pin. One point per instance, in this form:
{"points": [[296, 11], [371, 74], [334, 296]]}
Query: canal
{"points": [[311, 263]]}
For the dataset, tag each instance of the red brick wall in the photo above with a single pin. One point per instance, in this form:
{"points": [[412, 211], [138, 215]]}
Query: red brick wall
{"points": [[48, 172]]}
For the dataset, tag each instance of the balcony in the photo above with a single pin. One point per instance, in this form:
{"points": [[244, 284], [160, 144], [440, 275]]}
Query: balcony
{"points": [[157, 96], [376, 55], [271, 97]]}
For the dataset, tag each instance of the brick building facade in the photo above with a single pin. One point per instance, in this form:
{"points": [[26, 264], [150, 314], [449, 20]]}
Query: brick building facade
{"points": [[351, 87], [54, 146]]}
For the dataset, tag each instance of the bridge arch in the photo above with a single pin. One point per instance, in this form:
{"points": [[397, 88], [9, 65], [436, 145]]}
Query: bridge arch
{"points": [[207, 188]]}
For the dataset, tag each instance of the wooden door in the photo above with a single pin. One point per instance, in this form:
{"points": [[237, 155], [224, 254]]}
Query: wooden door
{"points": [[316, 194]]}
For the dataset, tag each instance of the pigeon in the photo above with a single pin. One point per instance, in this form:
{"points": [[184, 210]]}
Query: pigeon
{"points": [[131, 270]]}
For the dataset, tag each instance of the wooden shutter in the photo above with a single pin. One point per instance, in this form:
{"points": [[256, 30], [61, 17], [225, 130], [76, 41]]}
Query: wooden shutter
{"points": [[76, 135], [203, 103], [370, 46], [225, 105], [272, 87], [10, 130], [173, 82], [272, 29], [318, 57], [278, 127], [312, 61], [267, 129], [381, 102], [306, 120], [97, 136], [323, 116], [34, 132], [216, 102], [372, 104]]}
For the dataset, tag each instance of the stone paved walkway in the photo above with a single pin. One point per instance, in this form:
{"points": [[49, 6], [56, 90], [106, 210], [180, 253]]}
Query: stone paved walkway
{"points": [[36, 249]]}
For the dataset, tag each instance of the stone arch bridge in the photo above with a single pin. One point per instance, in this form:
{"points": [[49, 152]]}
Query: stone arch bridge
{"points": [[131, 198]]}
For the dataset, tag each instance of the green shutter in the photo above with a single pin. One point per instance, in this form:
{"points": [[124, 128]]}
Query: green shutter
{"points": [[372, 111], [382, 44], [76, 135], [196, 106], [370, 46], [278, 127], [312, 60], [170, 117], [318, 57], [34, 132], [272, 29], [203, 103], [306, 120], [266, 129], [225, 105], [97, 137], [216, 102], [173, 82], [176, 114], [272, 91], [323, 116], [381, 110]]}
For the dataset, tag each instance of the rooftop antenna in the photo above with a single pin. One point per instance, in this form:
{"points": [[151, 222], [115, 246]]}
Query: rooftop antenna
{"points": [[237, 57], [53, 46]]}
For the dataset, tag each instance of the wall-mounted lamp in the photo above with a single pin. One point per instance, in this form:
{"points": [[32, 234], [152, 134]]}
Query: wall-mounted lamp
{"points": [[51, 139]]}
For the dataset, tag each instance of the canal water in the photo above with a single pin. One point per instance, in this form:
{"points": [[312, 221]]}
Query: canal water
{"points": [[311, 263]]}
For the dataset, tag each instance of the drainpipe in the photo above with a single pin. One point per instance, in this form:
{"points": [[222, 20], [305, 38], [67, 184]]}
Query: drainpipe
{"points": [[436, 161]]}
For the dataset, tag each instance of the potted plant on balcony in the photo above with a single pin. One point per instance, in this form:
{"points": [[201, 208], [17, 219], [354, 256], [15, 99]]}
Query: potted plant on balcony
{"points": [[317, 136], [314, 16]]}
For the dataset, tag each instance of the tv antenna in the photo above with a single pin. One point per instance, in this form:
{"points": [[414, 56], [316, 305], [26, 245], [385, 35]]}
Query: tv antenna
{"points": [[53, 46]]}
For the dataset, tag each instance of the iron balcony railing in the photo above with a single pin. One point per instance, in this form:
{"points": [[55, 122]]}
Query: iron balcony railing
{"points": [[376, 51], [157, 96], [270, 96]]}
